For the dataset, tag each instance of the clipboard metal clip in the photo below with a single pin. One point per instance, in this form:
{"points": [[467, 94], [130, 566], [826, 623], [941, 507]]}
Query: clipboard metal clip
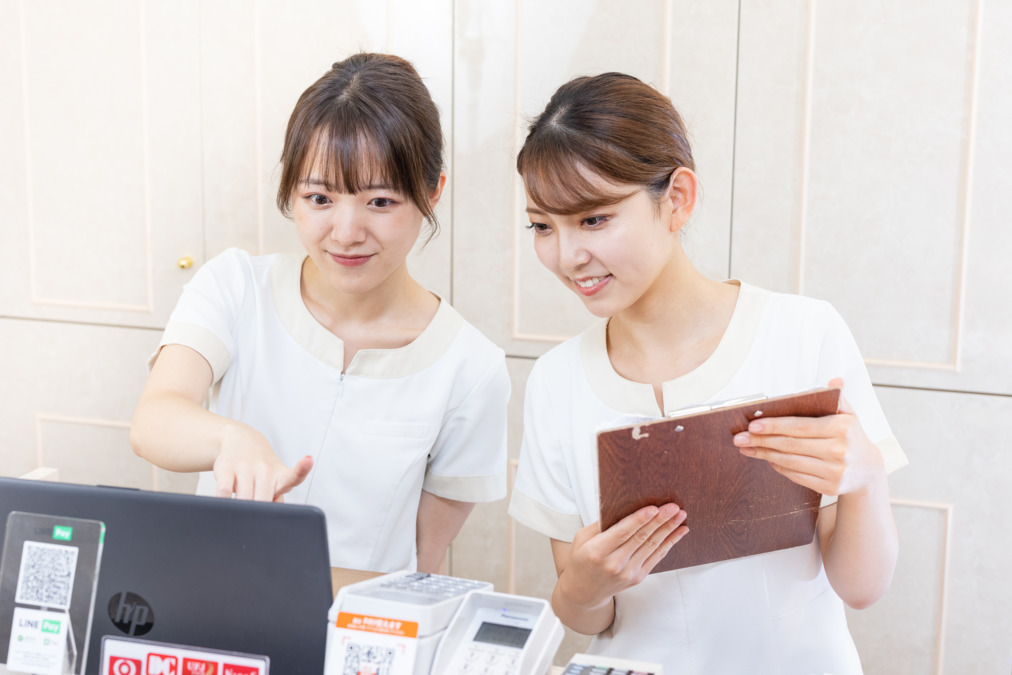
{"points": [[714, 405]]}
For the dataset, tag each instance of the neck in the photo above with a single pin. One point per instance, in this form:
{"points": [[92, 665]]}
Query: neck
{"points": [[682, 311], [398, 295]]}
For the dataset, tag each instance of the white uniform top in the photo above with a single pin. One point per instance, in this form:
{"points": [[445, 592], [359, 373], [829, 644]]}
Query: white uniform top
{"points": [[430, 415], [773, 613]]}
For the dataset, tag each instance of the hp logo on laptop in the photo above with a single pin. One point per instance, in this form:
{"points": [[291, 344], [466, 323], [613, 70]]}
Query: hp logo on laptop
{"points": [[131, 613]]}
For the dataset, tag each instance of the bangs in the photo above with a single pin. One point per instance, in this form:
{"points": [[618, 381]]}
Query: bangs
{"points": [[560, 179], [349, 162]]}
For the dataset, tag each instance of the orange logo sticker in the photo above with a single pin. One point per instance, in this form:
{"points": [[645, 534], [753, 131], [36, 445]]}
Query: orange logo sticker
{"points": [[376, 624]]}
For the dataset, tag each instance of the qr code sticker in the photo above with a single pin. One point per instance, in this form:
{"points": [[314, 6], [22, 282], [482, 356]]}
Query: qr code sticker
{"points": [[367, 659], [47, 575]]}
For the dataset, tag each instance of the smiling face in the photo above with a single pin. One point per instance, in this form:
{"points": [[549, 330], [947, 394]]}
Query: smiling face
{"points": [[357, 241], [618, 256], [610, 256], [610, 181]]}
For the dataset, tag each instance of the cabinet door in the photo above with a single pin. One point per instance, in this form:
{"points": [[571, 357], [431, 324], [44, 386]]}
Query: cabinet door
{"points": [[870, 171], [509, 58], [100, 168]]}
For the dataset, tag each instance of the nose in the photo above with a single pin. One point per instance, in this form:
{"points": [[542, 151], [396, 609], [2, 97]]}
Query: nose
{"points": [[345, 226], [573, 253]]}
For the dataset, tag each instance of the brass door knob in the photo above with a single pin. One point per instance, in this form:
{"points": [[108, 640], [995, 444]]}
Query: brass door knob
{"points": [[185, 263]]}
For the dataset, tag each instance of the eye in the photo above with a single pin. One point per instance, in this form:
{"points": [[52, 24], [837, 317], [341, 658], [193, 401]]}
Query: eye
{"points": [[317, 199], [594, 221], [381, 202], [539, 228]]}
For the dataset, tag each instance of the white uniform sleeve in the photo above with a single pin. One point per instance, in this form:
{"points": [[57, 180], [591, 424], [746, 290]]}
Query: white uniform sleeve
{"points": [[840, 357], [467, 462], [543, 495], [206, 312]]}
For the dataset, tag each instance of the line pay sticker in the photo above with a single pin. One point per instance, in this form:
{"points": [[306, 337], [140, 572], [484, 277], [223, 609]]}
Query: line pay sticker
{"points": [[48, 572], [38, 642]]}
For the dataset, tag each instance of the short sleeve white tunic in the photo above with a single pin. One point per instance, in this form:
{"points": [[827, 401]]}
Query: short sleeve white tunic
{"points": [[774, 613], [430, 415]]}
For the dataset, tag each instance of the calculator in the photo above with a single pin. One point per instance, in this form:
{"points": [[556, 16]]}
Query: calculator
{"points": [[589, 664]]}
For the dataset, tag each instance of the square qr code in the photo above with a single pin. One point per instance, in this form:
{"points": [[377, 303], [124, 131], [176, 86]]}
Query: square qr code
{"points": [[362, 659], [47, 575]]}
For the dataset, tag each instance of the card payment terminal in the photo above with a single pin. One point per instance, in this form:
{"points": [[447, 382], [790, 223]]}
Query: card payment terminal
{"points": [[411, 623], [499, 634]]}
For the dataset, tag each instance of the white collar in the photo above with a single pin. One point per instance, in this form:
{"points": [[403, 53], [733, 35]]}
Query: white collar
{"points": [[697, 386], [423, 351]]}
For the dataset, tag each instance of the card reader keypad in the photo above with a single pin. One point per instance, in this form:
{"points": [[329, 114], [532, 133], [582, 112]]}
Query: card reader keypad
{"points": [[430, 587], [481, 659]]}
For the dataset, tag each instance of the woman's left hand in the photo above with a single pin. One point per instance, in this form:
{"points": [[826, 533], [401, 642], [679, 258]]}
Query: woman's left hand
{"points": [[831, 455]]}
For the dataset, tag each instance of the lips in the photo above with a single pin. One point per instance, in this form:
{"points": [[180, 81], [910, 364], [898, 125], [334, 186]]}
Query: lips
{"points": [[350, 260], [588, 286]]}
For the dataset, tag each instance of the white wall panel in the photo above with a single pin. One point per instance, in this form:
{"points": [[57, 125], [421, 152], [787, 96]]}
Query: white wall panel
{"points": [[857, 177], [904, 632], [77, 386], [230, 116], [703, 90], [103, 151], [92, 451], [956, 457], [880, 139], [510, 58], [81, 183]]}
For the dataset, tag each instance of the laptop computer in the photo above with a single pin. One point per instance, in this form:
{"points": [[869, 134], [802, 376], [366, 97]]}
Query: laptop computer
{"points": [[213, 573]]}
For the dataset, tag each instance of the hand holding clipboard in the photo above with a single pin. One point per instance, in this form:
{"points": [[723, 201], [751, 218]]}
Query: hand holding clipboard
{"points": [[737, 506]]}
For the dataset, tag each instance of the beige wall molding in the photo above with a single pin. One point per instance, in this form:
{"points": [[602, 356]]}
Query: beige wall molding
{"points": [[960, 276], [946, 510]]}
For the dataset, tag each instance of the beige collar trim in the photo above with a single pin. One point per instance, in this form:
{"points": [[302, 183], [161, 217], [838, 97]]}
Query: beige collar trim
{"points": [[697, 386], [423, 351]]}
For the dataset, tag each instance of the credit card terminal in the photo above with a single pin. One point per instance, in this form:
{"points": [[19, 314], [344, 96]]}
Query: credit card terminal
{"points": [[404, 623], [499, 634], [394, 620], [429, 599]]}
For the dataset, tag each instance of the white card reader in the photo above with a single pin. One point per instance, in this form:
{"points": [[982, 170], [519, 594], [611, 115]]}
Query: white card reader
{"points": [[428, 600], [410, 623], [499, 634]]}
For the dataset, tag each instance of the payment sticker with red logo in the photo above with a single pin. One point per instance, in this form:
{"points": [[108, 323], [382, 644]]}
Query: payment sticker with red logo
{"points": [[129, 656]]}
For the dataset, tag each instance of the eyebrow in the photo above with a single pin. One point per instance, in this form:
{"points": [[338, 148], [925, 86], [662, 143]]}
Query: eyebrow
{"points": [[537, 212], [322, 183]]}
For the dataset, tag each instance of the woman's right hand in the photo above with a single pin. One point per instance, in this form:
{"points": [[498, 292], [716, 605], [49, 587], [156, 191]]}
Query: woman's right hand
{"points": [[600, 564], [247, 467], [172, 429]]}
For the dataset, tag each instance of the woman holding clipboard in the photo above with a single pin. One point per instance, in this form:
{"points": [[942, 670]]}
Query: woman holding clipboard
{"points": [[610, 183]]}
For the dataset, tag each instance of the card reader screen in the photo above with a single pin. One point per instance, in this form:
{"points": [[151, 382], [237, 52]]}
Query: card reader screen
{"points": [[498, 634]]}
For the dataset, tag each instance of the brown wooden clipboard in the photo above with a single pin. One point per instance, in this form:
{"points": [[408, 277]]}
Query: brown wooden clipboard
{"points": [[736, 505]]}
